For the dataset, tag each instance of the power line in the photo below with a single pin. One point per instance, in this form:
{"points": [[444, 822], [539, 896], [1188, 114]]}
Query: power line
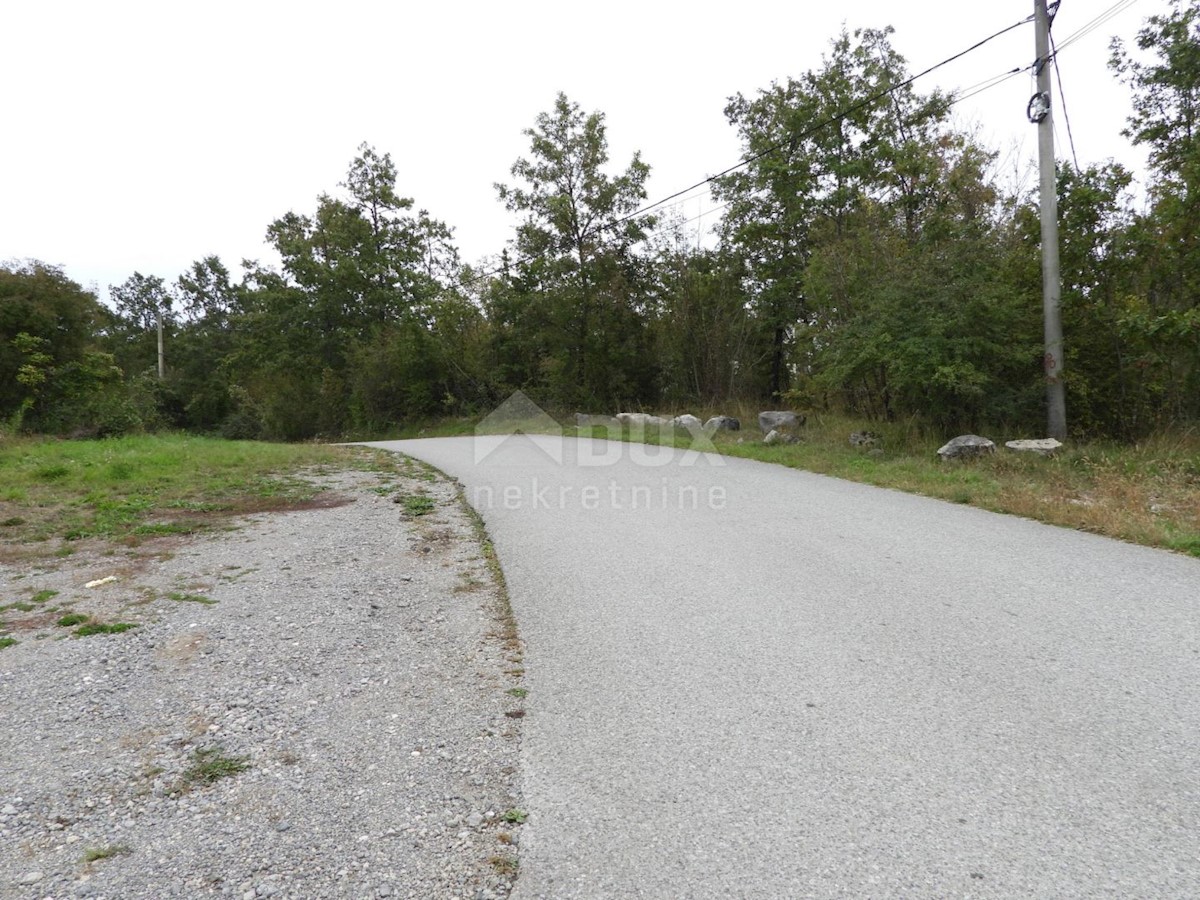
{"points": [[1112, 12], [998, 80], [1063, 99], [974, 91], [837, 117], [813, 129]]}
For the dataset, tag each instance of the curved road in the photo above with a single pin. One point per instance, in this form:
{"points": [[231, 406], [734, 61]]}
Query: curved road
{"points": [[748, 681]]}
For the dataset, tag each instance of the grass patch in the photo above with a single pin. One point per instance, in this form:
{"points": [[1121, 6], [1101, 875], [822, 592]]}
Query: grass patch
{"points": [[139, 487], [71, 619], [43, 596], [190, 598], [6, 641], [515, 817], [211, 764], [504, 865], [103, 628], [417, 504], [95, 854]]}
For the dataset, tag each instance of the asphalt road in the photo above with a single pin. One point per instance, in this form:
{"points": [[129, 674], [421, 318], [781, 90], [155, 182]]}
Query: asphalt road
{"points": [[747, 681]]}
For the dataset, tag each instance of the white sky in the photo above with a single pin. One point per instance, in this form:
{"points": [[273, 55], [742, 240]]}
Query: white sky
{"points": [[142, 136]]}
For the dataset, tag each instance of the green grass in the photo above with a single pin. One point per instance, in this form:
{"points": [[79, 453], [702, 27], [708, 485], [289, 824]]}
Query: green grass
{"points": [[417, 504], [6, 641], [133, 488], [71, 619], [95, 854], [43, 596], [103, 628], [190, 598], [211, 764]]}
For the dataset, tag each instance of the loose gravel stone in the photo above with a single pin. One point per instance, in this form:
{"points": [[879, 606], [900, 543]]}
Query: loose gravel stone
{"points": [[319, 727]]}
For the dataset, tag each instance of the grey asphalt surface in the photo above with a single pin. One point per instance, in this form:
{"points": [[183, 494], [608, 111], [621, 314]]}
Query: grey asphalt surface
{"points": [[795, 686]]}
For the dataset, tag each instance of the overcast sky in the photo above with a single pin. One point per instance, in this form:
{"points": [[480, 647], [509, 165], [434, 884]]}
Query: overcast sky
{"points": [[142, 136]]}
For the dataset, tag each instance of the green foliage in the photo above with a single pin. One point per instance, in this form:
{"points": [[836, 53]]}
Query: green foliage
{"points": [[180, 597], [417, 504], [95, 854], [71, 619], [48, 328], [211, 764], [568, 314], [93, 628]]}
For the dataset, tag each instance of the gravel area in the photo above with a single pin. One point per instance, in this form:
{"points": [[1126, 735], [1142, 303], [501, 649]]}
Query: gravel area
{"points": [[327, 708]]}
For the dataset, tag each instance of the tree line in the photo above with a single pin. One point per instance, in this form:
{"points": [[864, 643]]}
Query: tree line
{"points": [[871, 259]]}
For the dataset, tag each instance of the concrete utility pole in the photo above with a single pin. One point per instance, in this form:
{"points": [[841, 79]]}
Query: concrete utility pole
{"points": [[1040, 111], [161, 366]]}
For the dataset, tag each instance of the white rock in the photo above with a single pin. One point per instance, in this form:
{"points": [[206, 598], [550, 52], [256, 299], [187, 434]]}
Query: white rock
{"points": [[779, 420], [687, 422], [100, 582], [643, 420], [966, 446], [780, 437], [722, 423], [1044, 446]]}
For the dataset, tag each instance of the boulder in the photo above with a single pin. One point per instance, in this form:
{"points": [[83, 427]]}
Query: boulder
{"points": [[780, 437], [1043, 446], [641, 420], [722, 423], [687, 423], [967, 446], [586, 420], [777, 420], [864, 439]]}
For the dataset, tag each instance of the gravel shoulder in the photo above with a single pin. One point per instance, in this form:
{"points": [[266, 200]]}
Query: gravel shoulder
{"points": [[327, 708]]}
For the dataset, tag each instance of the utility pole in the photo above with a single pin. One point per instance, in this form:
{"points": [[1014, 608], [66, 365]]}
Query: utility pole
{"points": [[161, 366], [1040, 111]]}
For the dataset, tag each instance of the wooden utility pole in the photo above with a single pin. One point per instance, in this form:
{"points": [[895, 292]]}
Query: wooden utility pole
{"points": [[1040, 111]]}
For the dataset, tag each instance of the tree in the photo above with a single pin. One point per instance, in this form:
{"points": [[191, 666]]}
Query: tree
{"points": [[207, 294], [59, 319], [574, 245], [1166, 118], [364, 261], [815, 148]]}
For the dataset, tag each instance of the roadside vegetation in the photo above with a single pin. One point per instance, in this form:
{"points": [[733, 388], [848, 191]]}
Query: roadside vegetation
{"points": [[1146, 492]]}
